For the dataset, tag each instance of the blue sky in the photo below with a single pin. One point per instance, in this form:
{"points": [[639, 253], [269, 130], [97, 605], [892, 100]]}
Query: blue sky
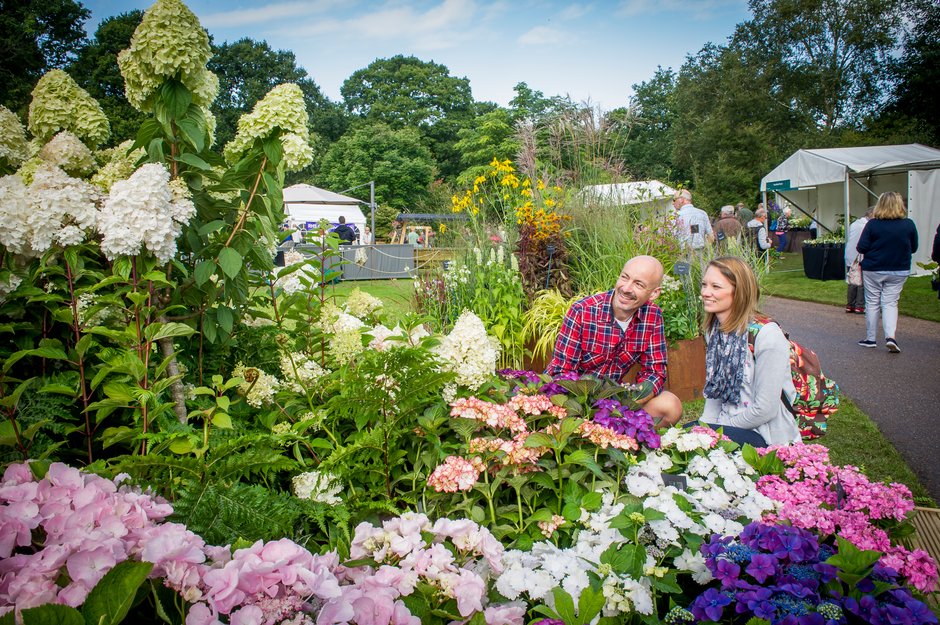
{"points": [[592, 51]]}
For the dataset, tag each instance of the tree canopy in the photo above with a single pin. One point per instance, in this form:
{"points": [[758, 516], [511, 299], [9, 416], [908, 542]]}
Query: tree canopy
{"points": [[248, 70], [35, 37], [395, 158]]}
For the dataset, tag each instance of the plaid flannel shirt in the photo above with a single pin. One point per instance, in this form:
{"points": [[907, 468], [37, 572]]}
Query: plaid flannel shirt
{"points": [[591, 342]]}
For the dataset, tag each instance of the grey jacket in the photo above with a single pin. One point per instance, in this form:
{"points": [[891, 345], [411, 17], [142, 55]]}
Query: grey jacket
{"points": [[766, 374]]}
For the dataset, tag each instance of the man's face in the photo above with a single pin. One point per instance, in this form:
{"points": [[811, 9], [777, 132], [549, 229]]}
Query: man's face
{"points": [[638, 283], [678, 202]]}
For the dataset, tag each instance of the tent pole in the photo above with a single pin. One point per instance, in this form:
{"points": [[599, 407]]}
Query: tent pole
{"points": [[372, 205], [848, 205]]}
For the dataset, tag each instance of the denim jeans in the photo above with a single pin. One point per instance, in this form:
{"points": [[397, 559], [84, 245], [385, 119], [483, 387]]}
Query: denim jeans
{"points": [[782, 244], [740, 436], [882, 292]]}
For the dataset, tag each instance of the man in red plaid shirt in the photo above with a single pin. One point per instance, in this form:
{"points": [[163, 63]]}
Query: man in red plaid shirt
{"points": [[607, 333]]}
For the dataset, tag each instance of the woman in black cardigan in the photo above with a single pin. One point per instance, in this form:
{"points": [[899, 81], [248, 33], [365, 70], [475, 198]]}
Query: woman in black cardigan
{"points": [[888, 242]]}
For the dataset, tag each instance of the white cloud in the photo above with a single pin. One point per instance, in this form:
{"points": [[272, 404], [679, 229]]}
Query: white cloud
{"points": [[699, 9], [574, 11], [541, 36], [443, 25], [267, 13]]}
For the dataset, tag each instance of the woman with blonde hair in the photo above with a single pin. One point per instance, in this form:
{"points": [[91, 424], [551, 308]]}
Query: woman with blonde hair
{"points": [[888, 242], [744, 386]]}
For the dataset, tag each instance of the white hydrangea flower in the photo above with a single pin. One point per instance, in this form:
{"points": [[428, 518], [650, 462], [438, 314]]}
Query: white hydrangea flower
{"points": [[282, 109], [318, 486], [168, 43], [55, 208], [143, 211], [13, 145], [361, 304], [8, 285], [67, 151], [119, 164], [469, 352], [345, 331], [258, 387], [302, 372], [60, 104]]}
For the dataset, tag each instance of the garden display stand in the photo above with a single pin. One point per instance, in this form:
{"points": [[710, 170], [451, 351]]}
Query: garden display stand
{"points": [[824, 262]]}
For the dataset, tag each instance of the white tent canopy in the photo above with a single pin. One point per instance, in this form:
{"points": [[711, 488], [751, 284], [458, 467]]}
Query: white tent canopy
{"points": [[629, 193], [836, 183], [307, 203]]}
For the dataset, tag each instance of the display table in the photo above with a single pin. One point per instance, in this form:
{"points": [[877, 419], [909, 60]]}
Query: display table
{"points": [[795, 238], [824, 262]]}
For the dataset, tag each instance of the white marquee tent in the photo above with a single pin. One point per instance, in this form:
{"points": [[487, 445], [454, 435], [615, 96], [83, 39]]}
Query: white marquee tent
{"points": [[835, 182], [648, 192], [306, 203]]}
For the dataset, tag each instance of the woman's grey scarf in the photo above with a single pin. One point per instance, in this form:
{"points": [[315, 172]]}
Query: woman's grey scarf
{"points": [[724, 365]]}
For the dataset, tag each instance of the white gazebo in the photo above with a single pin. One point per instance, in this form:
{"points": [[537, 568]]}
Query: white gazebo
{"points": [[651, 193], [306, 203], [837, 184]]}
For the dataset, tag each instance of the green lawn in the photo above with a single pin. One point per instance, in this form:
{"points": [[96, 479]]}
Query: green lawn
{"points": [[397, 294], [788, 280]]}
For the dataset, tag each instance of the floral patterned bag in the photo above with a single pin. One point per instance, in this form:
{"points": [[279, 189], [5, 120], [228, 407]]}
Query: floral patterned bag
{"points": [[817, 397], [854, 275]]}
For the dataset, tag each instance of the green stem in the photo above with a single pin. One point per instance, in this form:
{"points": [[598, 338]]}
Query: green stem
{"points": [[489, 497], [561, 480]]}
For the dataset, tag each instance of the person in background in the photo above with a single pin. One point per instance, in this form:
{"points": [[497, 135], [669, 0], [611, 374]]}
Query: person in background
{"points": [[935, 253], [414, 239], [783, 225], [693, 226], [856, 293], [745, 214], [367, 238], [757, 231], [606, 334], [727, 226], [743, 390], [814, 227], [297, 235], [346, 234], [888, 242]]}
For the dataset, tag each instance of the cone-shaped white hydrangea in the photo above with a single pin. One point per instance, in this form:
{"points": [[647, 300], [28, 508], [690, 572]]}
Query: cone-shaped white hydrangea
{"points": [[60, 104], [282, 110], [65, 150], [119, 163], [144, 211], [13, 149], [169, 41]]}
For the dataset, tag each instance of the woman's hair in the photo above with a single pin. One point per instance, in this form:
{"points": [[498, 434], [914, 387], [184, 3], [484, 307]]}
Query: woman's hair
{"points": [[890, 206], [745, 296]]}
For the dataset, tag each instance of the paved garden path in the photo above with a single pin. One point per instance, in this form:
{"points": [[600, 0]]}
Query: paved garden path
{"points": [[900, 392]]}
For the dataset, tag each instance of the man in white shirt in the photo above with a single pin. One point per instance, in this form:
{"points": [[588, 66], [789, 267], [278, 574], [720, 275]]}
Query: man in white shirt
{"points": [[692, 224]]}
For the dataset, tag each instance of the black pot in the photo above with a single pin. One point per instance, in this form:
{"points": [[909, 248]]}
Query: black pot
{"points": [[824, 262], [935, 284]]}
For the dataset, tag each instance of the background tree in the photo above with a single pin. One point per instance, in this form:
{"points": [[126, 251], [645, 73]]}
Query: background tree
{"points": [[248, 69], [493, 135], [833, 54], [649, 150], [36, 36], [917, 74], [401, 166], [730, 128], [406, 92], [95, 69]]}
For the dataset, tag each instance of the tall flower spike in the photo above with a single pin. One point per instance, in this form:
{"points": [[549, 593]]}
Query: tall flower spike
{"points": [[13, 150], [282, 110], [169, 43], [60, 104]]}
